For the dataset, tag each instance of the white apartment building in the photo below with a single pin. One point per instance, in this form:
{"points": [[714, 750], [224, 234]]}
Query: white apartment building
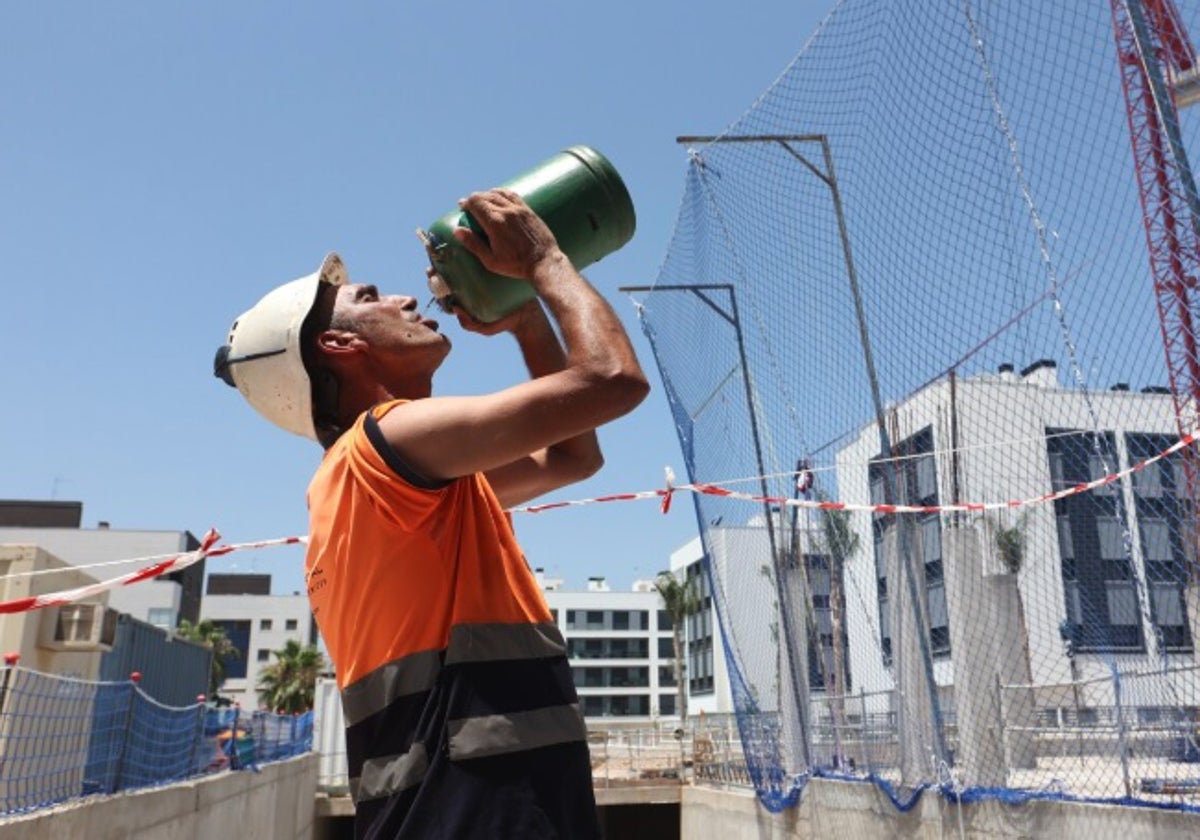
{"points": [[1104, 569], [257, 623], [707, 673], [620, 648]]}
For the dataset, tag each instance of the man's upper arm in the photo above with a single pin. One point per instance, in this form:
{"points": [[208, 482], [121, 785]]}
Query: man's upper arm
{"points": [[448, 437]]}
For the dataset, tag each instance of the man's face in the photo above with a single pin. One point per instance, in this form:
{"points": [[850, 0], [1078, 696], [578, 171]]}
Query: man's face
{"points": [[390, 324]]}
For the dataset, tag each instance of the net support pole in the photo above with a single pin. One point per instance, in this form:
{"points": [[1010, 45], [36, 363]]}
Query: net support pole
{"points": [[797, 664], [828, 176]]}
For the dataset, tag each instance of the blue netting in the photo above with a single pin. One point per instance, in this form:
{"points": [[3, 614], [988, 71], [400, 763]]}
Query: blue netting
{"points": [[62, 738]]}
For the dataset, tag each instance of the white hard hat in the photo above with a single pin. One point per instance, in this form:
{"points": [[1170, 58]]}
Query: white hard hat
{"points": [[262, 357]]}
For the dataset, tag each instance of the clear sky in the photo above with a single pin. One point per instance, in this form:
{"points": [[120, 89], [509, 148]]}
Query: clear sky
{"points": [[162, 165]]}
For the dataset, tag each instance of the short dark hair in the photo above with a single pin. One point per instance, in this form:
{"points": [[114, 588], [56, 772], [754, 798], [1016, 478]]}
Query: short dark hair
{"points": [[323, 382]]}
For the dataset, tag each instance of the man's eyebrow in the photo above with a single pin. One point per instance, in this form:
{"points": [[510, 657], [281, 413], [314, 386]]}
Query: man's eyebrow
{"points": [[365, 290]]}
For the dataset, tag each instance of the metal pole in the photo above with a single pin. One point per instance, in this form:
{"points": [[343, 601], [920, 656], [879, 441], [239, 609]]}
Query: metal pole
{"points": [[781, 590], [1122, 740], [1006, 748], [829, 177], [134, 679], [886, 450]]}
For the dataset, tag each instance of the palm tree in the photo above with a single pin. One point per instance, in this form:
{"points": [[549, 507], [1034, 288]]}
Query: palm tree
{"points": [[212, 636], [679, 600], [289, 683], [841, 542]]}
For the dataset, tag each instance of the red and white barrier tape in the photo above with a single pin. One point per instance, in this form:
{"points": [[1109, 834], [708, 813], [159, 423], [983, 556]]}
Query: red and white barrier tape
{"points": [[208, 547], [716, 490]]}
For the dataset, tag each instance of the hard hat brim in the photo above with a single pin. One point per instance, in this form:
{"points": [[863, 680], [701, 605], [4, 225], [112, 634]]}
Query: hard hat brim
{"points": [[264, 358]]}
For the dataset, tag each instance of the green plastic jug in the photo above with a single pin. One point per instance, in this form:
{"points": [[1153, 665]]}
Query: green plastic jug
{"points": [[583, 201]]}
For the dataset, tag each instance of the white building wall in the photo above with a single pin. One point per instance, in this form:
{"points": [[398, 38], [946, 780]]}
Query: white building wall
{"points": [[602, 602], [22, 574], [1001, 426], [149, 600], [720, 699], [273, 620]]}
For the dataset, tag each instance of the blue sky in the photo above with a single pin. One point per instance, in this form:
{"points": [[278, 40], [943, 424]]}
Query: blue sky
{"points": [[163, 165]]}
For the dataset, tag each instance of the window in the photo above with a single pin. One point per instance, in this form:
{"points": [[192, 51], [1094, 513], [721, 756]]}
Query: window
{"points": [[910, 476], [1165, 523], [666, 704], [620, 620], [664, 620], [666, 648], [265, 624], [291, 624], [238, 633], [821, 656], [264, 655], [1099, 587], [161, 617]]}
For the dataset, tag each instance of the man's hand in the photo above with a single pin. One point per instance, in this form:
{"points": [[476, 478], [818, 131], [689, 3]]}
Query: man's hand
{"points": [[518, 241]]}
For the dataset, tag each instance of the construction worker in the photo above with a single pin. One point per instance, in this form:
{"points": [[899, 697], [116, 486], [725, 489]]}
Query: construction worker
{"points": [[462, 718]]}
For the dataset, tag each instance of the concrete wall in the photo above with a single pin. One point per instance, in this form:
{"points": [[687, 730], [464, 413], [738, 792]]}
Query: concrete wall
{"points": [[859, 810], [273, 804]]}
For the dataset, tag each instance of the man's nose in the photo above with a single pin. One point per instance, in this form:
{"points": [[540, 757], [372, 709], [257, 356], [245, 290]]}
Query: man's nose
{"points": [[406, 301]]}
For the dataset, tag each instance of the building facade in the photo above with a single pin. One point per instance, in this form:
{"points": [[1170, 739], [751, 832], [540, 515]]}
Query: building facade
{"points": [[257, 623], [1097, 580], [620, 648], [706, 674], [57, 527]]}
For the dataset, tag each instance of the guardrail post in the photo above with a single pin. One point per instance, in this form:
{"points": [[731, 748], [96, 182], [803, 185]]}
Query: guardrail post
{"points": [[134, 679], [1006, 750], [201, 708], [235, 760], [10, 662], [1122, 738], [866, 744]]}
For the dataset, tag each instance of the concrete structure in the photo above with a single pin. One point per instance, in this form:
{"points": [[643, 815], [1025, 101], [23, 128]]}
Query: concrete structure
{"points": [[275, 802], [862, 811], [65, 641], [57, 527], [257, 623]]}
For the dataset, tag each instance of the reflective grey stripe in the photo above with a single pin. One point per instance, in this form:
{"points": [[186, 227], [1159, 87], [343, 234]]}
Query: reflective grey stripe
{"points": [[389, 774], [495, 642], [373, 693], [495, 734]]}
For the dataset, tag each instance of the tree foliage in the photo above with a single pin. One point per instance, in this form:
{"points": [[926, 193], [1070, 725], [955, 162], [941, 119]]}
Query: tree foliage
{"points": [[679, 600], [212, 636], [288, 684]]}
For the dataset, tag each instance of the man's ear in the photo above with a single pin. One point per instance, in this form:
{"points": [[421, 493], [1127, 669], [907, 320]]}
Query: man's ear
{"points": [[339, 342]]}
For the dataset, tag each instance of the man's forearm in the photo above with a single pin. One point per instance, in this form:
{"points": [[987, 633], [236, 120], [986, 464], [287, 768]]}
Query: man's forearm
{"points": [[595, 338], [544, 355]]}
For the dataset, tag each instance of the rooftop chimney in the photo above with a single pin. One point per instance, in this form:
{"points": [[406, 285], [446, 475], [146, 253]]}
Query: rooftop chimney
{"points": [[1043, 373]]}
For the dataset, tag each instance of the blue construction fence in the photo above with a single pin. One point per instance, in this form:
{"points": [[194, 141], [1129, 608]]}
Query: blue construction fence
{"points": [[63, 738]]}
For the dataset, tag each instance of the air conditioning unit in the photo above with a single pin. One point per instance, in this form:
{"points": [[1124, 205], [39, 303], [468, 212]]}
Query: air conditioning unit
{"points": [[81, 627]]}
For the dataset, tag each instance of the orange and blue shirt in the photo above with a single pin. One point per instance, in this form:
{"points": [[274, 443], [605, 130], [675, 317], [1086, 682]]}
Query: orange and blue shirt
{"points": [[461, 715]]}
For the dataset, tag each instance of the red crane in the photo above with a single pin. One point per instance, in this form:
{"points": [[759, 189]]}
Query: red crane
{"points": [[1159, 75]]}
